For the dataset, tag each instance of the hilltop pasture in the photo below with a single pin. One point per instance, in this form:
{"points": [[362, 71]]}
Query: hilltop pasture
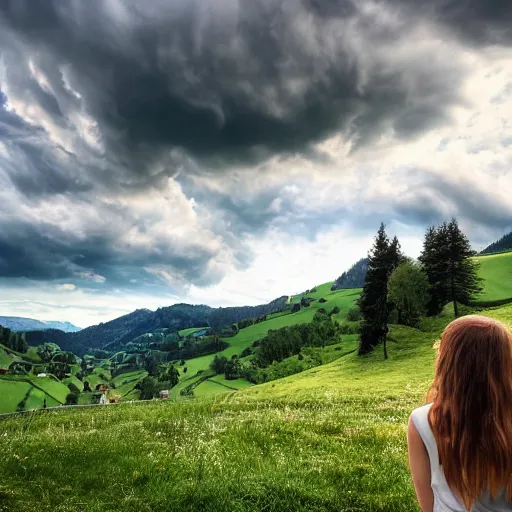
{"points": [[496, 271]]}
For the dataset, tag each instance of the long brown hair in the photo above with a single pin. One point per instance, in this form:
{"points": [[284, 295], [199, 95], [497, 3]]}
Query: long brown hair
{"points": [[471, 415]]}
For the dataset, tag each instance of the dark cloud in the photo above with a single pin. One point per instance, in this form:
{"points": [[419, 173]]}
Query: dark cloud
{"points": [[436, 199], [480, 22], [105, 99], [227, 82]]}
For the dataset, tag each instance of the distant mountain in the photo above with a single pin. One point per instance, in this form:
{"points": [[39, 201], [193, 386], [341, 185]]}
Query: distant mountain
{"points": [[221, 317], [63, 326], [18, 323], [115, 334], [354, 277], [503, 244]]}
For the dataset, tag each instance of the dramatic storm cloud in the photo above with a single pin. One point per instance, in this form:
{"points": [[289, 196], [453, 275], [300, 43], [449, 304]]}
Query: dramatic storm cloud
{"points": [[176, 150]]}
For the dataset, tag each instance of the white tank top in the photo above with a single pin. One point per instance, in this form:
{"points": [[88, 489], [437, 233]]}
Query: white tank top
{"points": [[444, 499]]}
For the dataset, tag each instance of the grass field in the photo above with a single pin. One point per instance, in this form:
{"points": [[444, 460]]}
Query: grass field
{"points": [[57, 390], [73, 380], [12, 393], [96, 378], [332, 438], [235, 384], [125, 382], [192, 330], [321, 291], [209, 387], [5, 358], [36, 399], [496, 270]]}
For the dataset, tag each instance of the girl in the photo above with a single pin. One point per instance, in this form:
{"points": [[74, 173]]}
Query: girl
{"points": [[460, 443]]}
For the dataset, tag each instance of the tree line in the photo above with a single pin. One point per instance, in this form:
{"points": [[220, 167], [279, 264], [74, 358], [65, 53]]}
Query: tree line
{"points": [[193, 347], [502, 245], [354, 277], [13, 340], [278, 345], [398, 286]]}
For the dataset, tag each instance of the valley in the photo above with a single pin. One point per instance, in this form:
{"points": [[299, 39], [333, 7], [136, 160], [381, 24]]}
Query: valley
{"points": [[123, 370]]}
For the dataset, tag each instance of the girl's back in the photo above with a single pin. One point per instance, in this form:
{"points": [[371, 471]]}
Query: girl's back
{"points": [[444, 498], [460, 444]]}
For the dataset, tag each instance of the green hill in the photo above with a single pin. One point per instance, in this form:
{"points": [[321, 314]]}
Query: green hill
{"points": [[343, 299], [331, 438], [496, 270], [6, 358]]}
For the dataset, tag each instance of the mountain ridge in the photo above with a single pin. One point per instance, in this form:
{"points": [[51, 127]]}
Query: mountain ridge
{"points": [[123, 329], [21, 323]]}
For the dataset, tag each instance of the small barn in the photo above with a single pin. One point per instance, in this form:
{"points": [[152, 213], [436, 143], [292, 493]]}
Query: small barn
{"points": [[164, 393]]}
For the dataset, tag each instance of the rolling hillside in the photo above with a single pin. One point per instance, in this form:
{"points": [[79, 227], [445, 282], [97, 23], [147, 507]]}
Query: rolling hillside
{"points": [[496, 271], [343, 299], [20, 392], [331, 438]]}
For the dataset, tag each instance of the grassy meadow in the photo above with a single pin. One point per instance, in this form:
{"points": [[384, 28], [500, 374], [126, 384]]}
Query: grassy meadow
{"points": [[496, 270], [332, 438], [5, 358], [191, 330]]}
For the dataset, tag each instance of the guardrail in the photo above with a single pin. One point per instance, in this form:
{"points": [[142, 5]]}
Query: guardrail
{"points": [[62, 407]]}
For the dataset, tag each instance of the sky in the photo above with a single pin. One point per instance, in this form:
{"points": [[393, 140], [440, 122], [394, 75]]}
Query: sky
{"points": [[229, 152]]}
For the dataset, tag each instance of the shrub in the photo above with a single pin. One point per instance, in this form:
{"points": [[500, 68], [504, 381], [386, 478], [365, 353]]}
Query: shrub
{"points": [[246, 352], [218, 365], [350, 328], [72, 398], [354, 315], [148, 388], [334, 311], [73, 388]]}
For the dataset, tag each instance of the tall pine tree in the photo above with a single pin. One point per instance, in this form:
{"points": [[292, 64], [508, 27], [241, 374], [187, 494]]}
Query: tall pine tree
{"points": [[452, 273], [434, 259], [464, 283], [382, 260]]}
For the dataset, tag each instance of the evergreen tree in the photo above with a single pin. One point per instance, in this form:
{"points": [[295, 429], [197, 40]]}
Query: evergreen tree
{"points": [[382, 260], [452, 274], [434, 259], [23, 345], [464, 282]]}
